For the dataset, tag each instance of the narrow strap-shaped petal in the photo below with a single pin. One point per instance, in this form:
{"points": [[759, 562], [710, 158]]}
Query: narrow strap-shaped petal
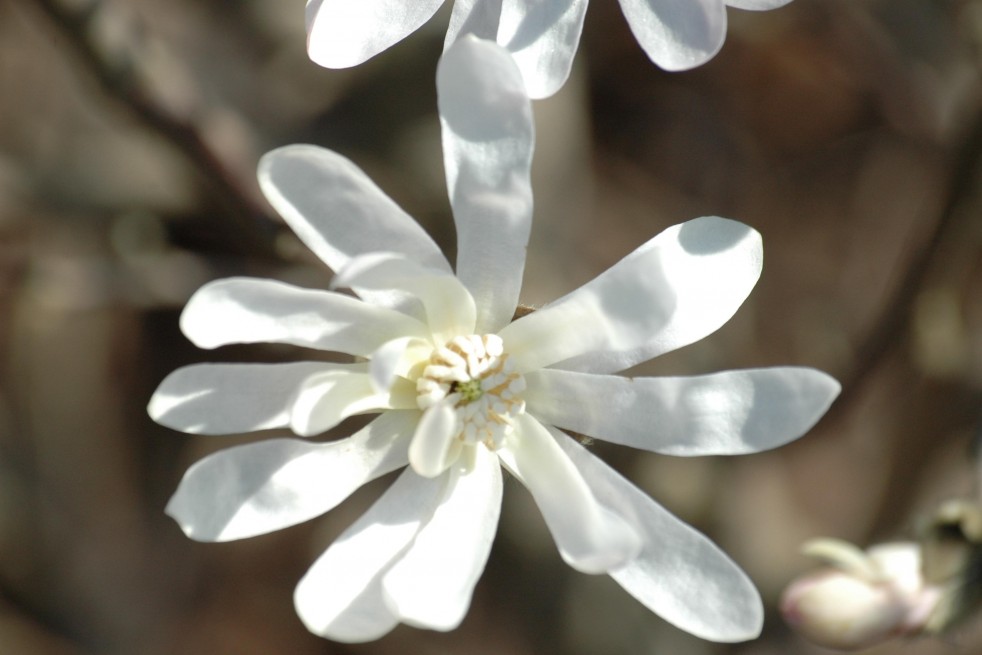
{"points": [[269, 485], [434, 445], [328, 397], [341, 596], [677, 34], [449, 307], [396, 358], [249, 310], [680, 574], [232, 398], [675, 289], [543, 38], [488, 138], [339, 212], [729, 413], [343, 33], [590, 538], [432, 583], [479, 18], [757, 5]]}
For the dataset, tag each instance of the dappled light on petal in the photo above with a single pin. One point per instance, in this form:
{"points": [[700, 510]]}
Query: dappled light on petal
{"points": [[590, 538], [338, 212], [679, 574], [487, 150], [728, 413], [677, 34], [448, 306], [435, 445], [231, 398], [341, 595], [542, 37], [249, 310], [269, 485], [342, 33], [329, 397], [432, 583], [679, 287]]}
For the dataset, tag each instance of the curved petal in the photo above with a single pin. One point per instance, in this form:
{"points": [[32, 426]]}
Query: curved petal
{"points": [[342, 33], [677, 34], [269, 485], [339, 212], [248, 310], [432, 583], [757, 5], [680, 574], [543, 37], [488, 138], [449, 307], [590, 538], [396, 358], [328, 397], [675, 289], [477, 17], [729, 413], [341, 595], [434, 447], [231, 398]]}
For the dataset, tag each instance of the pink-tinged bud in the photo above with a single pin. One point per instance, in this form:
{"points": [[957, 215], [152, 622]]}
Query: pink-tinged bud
{"points": [[863, 599]]}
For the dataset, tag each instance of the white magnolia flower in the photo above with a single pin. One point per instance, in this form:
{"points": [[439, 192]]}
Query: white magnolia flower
{"points": [[542, 35], [461, 390]]}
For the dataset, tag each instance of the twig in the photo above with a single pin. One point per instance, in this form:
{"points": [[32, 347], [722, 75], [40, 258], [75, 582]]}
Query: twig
{"points": [[892, 323], [254, 231]]}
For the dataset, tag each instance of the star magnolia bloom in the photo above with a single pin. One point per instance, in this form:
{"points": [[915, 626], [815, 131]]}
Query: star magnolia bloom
{"points": [[462, 390], [542, 35]]}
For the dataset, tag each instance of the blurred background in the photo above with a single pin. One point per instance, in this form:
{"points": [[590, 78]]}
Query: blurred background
{"points": [[848, 132]]}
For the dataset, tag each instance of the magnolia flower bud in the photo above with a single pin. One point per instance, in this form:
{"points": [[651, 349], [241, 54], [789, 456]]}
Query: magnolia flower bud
{"points": [[863, 598]]}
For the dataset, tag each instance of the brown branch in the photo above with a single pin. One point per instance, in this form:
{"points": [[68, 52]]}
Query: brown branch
{"points": [[253, 231], [892, 324]]}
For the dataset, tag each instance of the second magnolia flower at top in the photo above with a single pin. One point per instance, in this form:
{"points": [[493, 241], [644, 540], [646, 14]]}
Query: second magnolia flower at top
{"points": [[461, 389], [542, 35]]}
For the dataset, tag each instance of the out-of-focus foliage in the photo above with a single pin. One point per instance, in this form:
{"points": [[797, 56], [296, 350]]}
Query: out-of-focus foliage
{"points": [[845, 131]]}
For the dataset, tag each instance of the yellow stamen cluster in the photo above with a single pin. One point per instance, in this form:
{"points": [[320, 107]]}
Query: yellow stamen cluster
{"points": [[474, 374]]}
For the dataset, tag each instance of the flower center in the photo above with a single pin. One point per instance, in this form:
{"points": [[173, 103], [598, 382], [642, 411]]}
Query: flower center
{"points": [[474, 374]]}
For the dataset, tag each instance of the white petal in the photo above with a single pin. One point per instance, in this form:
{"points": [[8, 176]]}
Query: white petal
{"points": [[680, 574], [343, 33], [757, 5], [231, 398], [729, 413], [432, 583], [341, 596], [248, 310], [396, 358], [590, 538], [339, 212], [449, 307], [677, 34], [486, 117], [677, 288], [543, 37], [328, 397], [269, 485], [434, 446], [477, 17]]}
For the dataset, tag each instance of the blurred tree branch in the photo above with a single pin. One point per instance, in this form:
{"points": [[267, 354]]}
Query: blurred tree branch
{"points": [[892, 325], [118, 75]]}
